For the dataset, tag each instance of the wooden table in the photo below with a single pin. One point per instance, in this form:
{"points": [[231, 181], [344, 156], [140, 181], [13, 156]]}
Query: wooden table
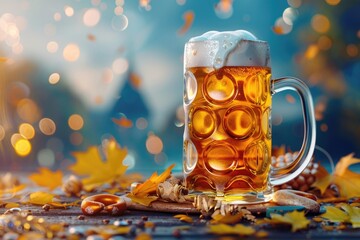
{"points": [[168, 227]]}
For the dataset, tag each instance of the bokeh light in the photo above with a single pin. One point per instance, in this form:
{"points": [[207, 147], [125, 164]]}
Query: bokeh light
{"points": [[161, 158], [130, 160], [52, 47], [76, 122], [281, 27], [324, 43], [118, 10], [311, 51], [47, 126], [28, 110], [120, 66], [17, 91], [352, 50], [69, 11], [76, 138], [154, 144], [141, 123], [54, 78], [294, 3], [71, 52], [320, 23], [46, 157], [57, 16], [27, 130], [91, 17], [107, 75], [23, 147]]}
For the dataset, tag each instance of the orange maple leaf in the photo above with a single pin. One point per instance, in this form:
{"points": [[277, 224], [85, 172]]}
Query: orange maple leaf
{"points": [[47, 178], [142, 191], [296, 219], [97, 171], [347, 180]]}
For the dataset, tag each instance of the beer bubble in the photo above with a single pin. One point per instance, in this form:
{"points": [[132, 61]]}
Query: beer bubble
{"points": [[119, 22]]}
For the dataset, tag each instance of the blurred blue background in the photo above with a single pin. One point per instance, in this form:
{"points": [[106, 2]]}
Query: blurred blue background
{"points": [[75, 73]]}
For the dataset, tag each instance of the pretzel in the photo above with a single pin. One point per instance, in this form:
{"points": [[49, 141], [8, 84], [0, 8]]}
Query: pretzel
{"points": [[112, 204]]}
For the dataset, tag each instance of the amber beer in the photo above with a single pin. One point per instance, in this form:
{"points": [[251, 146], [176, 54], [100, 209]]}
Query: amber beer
{"points": [[227, 103], [228, 142]]}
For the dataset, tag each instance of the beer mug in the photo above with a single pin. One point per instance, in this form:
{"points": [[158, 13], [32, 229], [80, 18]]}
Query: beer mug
{"points": [[227, 103]]}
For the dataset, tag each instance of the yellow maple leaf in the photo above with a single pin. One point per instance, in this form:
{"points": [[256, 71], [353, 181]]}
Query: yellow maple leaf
{"points": [[97, 171], [142, 191], [347, 180], [228, 218], [47, 178], [349, 214], [41, 198], [184, 218], [296, 219], [12, 191], [224, 229]]}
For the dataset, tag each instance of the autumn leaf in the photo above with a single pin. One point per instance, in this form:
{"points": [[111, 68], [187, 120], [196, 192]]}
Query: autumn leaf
{"points": [[224, 229], [47, 178], [12, 205], [97, 171], [184, 218], [41, 198], [228, 218], [142, 191], [296, 219], [347, 180], [348, 214], [12, 190]]}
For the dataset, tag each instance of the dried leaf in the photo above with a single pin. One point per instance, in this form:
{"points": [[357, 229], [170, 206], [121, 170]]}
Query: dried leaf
{"points": [[12, 190], [224, 229], [323, 179], [296, 219], [12, 205], [188, 21], [143, 236], [347, 180], [184, 218], [335, 214], [150, 185], [97, 171], [348, 214], [47, 178], [143, 200], [142, 191], [228, 218], [123, 122], [41, 198]]}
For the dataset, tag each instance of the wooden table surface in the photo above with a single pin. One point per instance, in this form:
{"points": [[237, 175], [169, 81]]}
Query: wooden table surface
{"points": [[168, 227]]}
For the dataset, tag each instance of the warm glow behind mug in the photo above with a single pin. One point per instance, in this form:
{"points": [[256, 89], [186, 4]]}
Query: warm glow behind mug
{"points": [[227, 103]]}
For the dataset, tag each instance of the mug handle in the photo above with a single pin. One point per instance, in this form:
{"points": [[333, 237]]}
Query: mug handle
{"points": [[282, 175]]}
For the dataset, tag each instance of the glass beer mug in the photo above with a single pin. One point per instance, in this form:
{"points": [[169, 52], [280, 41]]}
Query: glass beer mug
{"points": [[227, 103]]}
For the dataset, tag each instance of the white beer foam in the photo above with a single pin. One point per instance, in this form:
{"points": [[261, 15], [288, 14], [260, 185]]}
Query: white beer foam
{"points": [[230, 48]]}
